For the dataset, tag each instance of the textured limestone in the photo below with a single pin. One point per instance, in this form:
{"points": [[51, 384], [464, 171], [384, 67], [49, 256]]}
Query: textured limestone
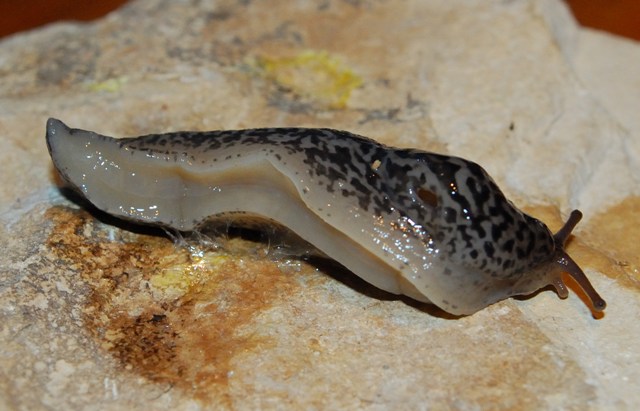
{"points": [[98, 315]]}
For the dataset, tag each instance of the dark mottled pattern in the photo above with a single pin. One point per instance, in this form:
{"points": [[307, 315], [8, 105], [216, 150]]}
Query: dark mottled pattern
{"points": [[471, 223]]}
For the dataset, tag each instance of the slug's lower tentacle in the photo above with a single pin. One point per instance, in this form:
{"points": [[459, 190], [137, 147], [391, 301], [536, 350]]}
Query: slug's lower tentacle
{"points": [[560, 287]]}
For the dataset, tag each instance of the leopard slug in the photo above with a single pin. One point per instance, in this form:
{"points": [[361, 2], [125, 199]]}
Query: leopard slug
{"points": [[433, 227]]}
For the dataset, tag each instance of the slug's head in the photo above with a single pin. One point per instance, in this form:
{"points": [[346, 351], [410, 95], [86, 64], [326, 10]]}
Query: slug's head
{"points": [[486, 248]]}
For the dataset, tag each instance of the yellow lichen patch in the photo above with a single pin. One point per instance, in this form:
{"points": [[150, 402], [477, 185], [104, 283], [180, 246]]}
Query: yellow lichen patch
{"points": [[316, 76], [181, 272], [110, 85]]}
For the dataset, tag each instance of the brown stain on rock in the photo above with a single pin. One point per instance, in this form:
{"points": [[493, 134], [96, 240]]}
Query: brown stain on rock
{"points": [[186, 341], [615, 233]]}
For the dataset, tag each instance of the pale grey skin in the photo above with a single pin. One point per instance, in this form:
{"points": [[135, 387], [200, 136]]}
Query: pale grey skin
{"points": [[435, 228]]}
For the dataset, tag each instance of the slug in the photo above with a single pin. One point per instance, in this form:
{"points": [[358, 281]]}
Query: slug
{"points": [[433, 227]]}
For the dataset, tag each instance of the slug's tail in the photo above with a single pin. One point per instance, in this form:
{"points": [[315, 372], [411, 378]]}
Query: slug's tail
{"points": [[569, 266], [55, 128]]}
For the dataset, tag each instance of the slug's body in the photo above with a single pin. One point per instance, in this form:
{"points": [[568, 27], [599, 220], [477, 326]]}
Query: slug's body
{"points": [[433, 227]]}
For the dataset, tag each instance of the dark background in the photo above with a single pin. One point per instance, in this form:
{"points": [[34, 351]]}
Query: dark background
{"points": [[621, 17]]}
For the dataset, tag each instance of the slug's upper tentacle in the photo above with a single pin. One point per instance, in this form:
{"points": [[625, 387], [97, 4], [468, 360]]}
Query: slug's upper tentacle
{"points": [[433, 227]]}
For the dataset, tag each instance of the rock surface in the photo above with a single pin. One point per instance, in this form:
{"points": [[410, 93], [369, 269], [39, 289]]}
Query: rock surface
{"points": [[94, 315]]}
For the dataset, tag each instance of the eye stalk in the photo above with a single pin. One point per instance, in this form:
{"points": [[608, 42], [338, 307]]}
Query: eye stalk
{"points": [[569, 266]]}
